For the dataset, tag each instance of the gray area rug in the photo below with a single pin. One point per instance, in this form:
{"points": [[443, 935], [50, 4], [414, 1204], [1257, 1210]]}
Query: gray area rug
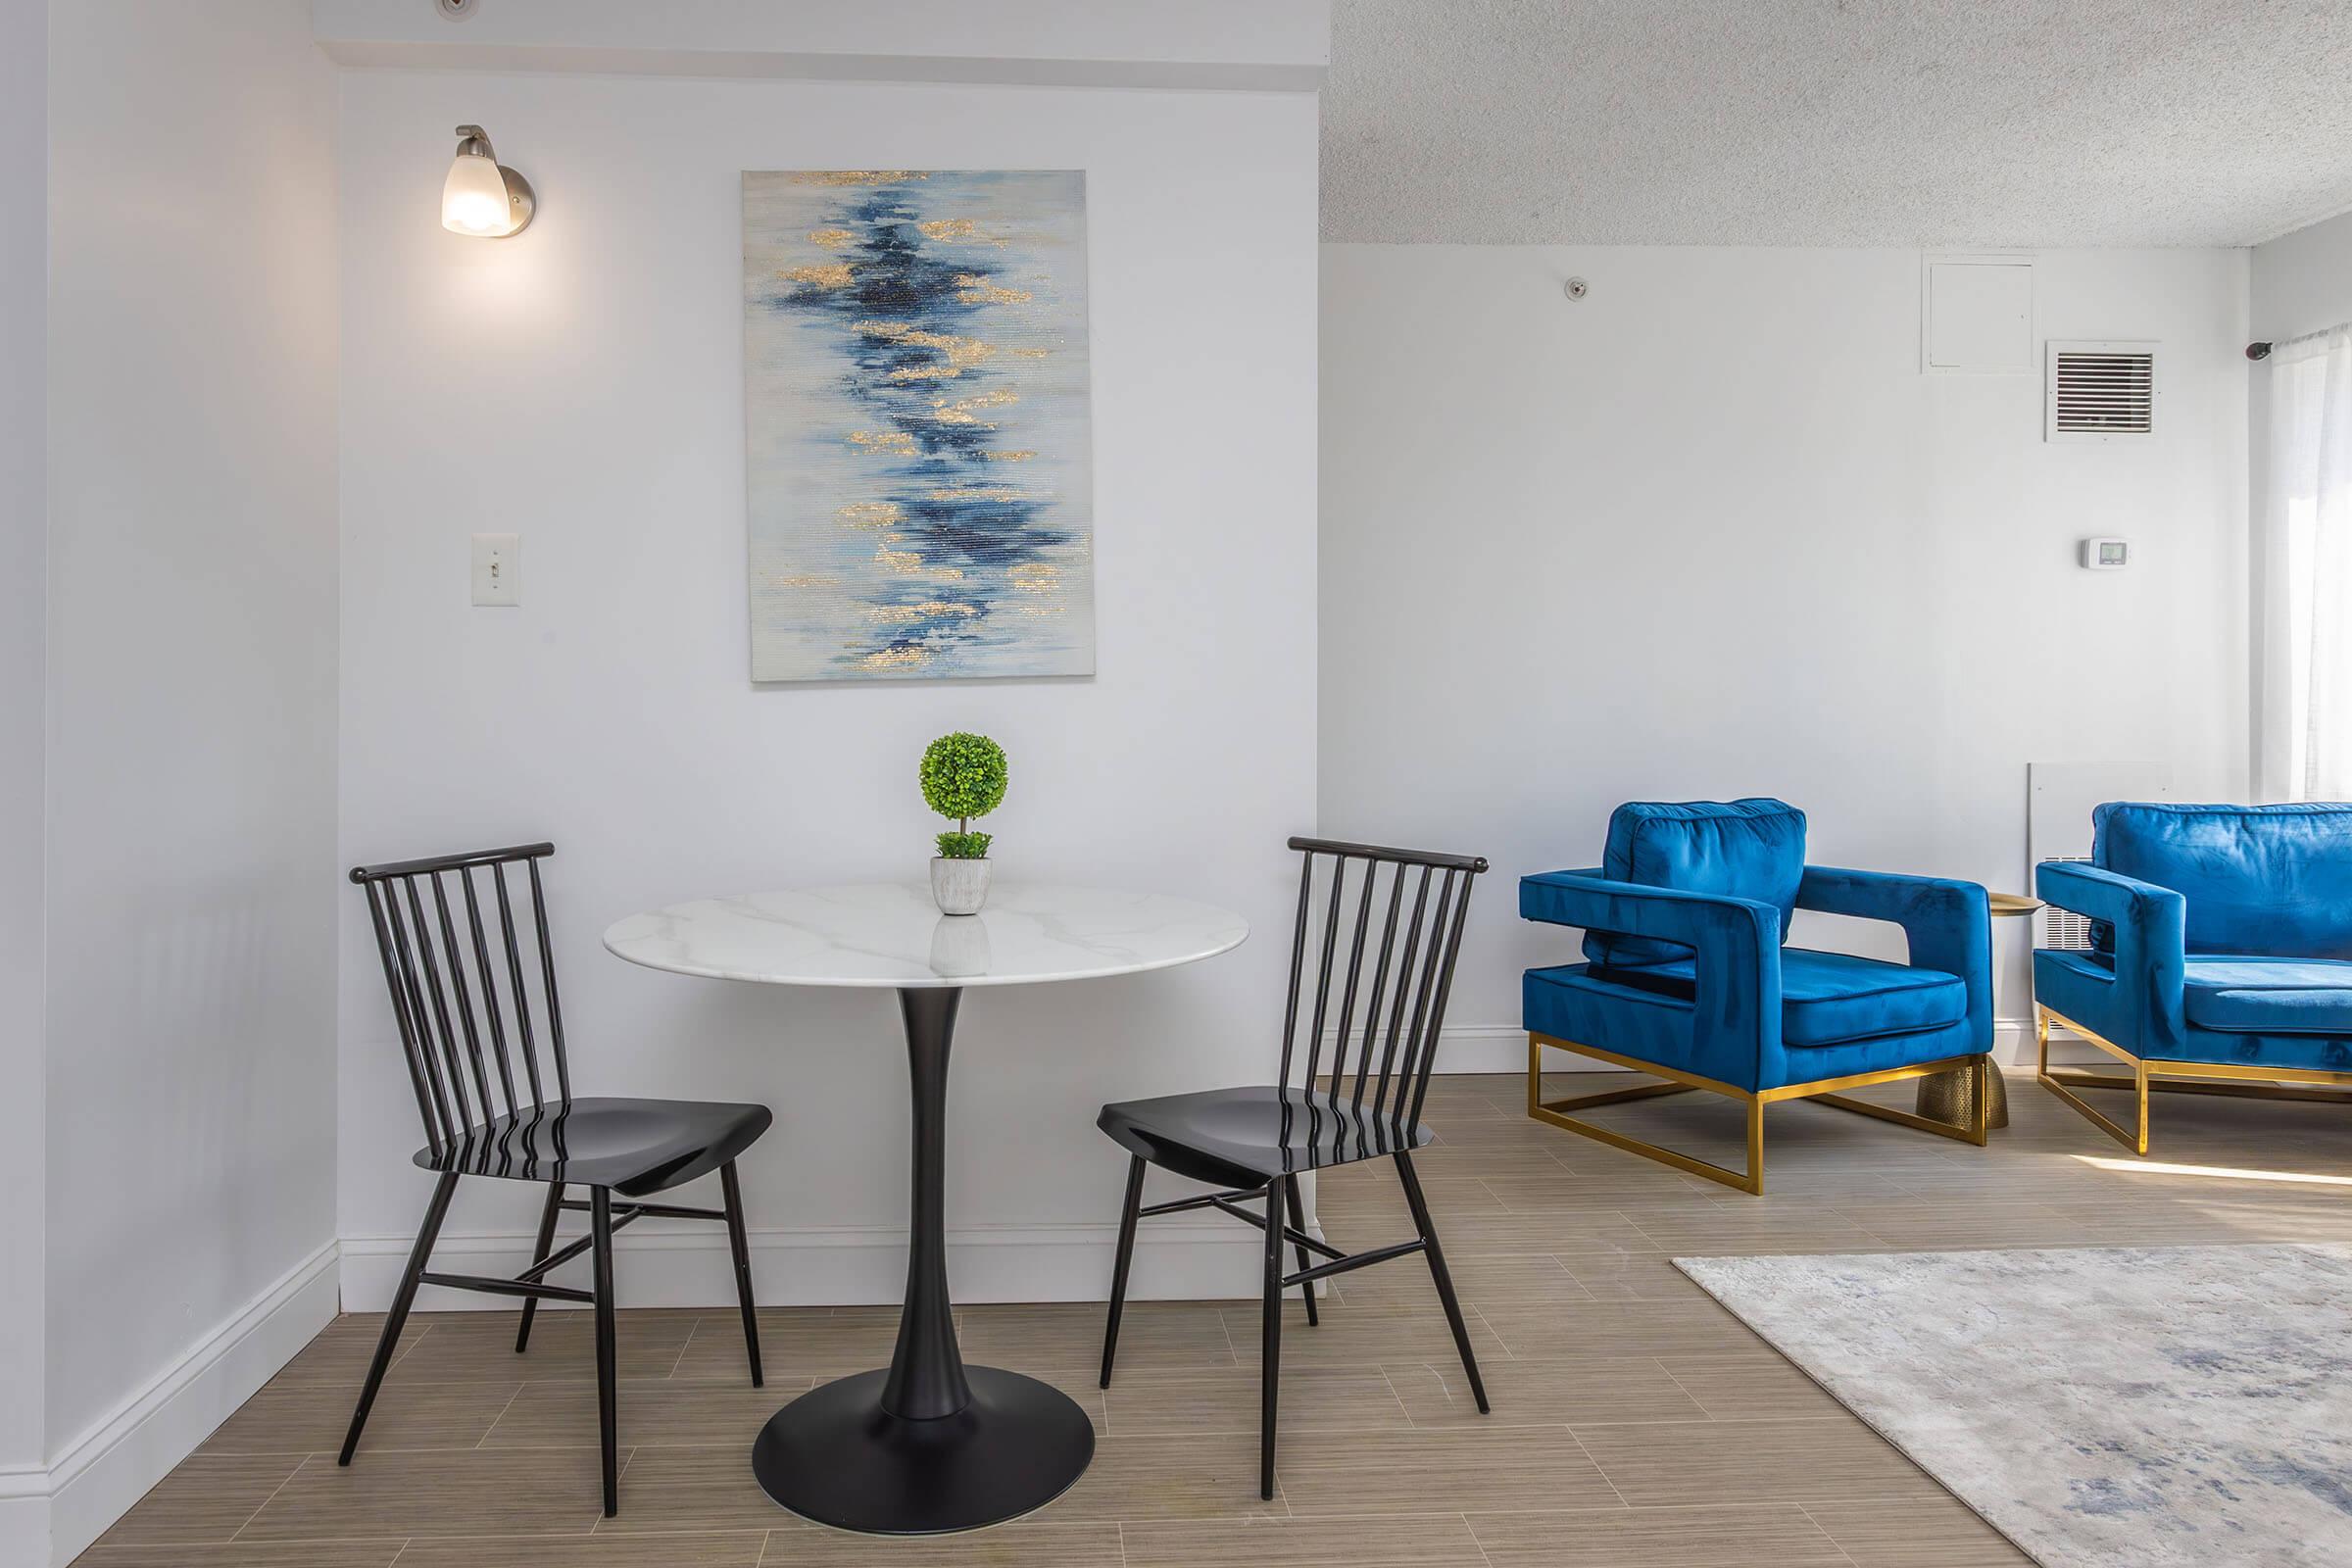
{"points": [[2141, 1406]]}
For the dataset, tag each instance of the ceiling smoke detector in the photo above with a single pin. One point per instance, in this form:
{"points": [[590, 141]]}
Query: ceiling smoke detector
{"points": [[455, 10]]}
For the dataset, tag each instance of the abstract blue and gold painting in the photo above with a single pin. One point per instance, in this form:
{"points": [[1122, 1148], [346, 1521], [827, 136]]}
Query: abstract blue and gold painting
{"points": [[917, 425]]}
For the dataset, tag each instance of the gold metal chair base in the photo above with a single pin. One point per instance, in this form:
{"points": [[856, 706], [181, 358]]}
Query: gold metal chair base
{"points": [[1751, 1180], [2164, 1076]]}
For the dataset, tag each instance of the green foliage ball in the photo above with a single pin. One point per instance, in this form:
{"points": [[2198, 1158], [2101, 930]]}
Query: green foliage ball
{"points": [[963, 776]]}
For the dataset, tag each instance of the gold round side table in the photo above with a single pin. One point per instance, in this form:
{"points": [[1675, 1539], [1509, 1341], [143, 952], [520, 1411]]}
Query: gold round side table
{"points": [[1951, 1096]]}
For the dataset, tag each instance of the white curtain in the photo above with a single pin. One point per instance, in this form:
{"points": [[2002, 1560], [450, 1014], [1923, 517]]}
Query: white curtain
{"points": [[2306, 634]]}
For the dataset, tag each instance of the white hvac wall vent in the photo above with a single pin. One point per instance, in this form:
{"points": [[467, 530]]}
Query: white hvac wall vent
{"points": [[2064, 928], [2099, 391]]}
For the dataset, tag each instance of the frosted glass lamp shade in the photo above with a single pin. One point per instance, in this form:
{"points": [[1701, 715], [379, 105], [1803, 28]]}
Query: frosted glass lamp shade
{"points": [[480, 198], [473, 201]]}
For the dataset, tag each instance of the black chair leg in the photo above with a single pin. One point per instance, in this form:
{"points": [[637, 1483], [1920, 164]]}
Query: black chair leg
{"points": [[1270, 1347], [741, 1247], [388, 1344], [1437, 1272], [1129, 1213], [600, 1220], [546, 1244], [1306, 1291]]}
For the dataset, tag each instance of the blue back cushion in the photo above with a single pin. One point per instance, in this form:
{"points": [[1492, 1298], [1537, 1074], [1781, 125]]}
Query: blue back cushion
{"points": [[2259, 880], [1752, 849]]}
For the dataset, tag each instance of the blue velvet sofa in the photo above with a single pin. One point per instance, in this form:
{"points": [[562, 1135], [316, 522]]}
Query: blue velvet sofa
{"points": [[1688, 976], [2220, 953]]}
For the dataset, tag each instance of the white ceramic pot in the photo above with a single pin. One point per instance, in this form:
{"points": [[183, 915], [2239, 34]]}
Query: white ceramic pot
{"points": [[958, 886]]}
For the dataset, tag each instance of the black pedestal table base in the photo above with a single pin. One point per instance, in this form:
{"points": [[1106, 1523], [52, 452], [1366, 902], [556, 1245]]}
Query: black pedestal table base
{"points": [[927, 1445], [836, 1457]]}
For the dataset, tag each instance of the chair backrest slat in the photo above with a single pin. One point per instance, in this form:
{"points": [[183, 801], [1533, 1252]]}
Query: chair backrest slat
{"points": [[1289, 1000], [520, 993], [1418, 1041], [425, 981], [492, 1013], [547, 968], [1379, 980], [1405, 984], [1356, 972], [412, 1045], [1410, 986], [1437, 1014], [465, 999], [1331, 940], [445, 987]]}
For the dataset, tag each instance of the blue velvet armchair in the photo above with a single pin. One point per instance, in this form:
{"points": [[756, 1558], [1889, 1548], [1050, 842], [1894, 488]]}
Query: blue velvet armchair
{"points": [[1688, 976], [2221, 953]]}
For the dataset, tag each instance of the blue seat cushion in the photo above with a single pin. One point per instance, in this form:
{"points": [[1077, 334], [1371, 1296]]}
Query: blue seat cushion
{"points": [[1828, 998], [2240, 995], [1749, 849], [2275, 880], [2079, 988]]}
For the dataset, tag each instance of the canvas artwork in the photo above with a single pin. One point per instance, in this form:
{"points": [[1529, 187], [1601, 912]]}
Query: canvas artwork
{"points": [[916, 403]]}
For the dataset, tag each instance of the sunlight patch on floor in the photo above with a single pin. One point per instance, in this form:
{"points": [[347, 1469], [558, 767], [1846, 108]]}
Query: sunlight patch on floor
{"points": [[2217, 1172]]}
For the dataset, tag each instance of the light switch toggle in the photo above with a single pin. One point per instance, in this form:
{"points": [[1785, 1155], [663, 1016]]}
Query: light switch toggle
{"points": [[497, 568]]}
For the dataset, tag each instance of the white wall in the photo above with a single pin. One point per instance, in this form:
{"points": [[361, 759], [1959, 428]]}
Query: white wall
{"points": [[2301, 282], [23, 550], [581, 385], [191, 649], [1710, 533]]}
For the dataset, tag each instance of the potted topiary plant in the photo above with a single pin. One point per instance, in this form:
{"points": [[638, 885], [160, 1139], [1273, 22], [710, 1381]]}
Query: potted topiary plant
{"points": [[964, 777]]}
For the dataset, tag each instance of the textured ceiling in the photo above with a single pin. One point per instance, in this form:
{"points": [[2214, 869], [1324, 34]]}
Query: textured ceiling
{"points": [[2028, 122]]}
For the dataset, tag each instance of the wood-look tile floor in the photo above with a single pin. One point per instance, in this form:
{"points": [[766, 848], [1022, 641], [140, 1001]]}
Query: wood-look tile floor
{"points": [[1635, 1423]]}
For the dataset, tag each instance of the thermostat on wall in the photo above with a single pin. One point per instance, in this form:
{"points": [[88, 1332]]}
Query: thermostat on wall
{"points": [[2106, 555]]}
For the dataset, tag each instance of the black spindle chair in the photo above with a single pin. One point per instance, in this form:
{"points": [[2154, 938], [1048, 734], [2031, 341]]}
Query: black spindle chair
{"points": [[1254, 1141], [461, 990]]}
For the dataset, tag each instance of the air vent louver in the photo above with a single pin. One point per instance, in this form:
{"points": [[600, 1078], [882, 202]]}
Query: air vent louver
{"points": [[2064, 928], [2098, 391]]}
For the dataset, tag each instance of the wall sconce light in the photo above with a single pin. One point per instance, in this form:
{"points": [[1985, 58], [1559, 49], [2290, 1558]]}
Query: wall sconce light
{"points": [[482, 197]]}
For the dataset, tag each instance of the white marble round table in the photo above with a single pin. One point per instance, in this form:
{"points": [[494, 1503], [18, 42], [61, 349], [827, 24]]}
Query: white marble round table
{"points": [[928, 1444]]}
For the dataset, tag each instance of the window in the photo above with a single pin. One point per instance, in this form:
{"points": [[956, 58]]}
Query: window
{"points": [[2307, 621]]}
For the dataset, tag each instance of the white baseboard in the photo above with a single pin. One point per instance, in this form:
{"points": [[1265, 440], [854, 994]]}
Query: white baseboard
{"points": [[94, 1480], [1486, 1047], [1503, 1048], [1175, 1259], [25, 1518]]}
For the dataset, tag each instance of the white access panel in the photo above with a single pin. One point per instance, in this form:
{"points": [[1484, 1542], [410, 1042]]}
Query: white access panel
{"points": [[1977, 316], [2059, 797]]}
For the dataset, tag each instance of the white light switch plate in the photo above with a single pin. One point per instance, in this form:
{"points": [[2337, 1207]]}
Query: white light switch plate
{"points": [[497, 568]]}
